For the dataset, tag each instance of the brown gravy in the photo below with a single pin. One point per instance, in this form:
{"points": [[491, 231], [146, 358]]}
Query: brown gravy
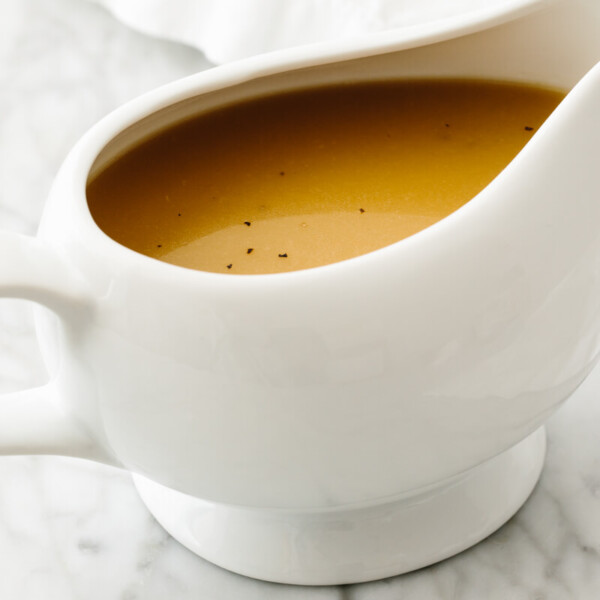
{"points": [[312, 177]]}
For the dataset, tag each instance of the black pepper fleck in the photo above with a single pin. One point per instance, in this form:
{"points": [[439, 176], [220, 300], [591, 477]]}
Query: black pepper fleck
{"points": [[446, 124], [229, 266], [159, 245], [283, 255], [362, 210], [527, 128], [247, 223], [249, 251], [178, 214]]}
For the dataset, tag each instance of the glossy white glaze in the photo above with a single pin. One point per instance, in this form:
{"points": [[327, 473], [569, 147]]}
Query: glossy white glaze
{"points": [[281, 438]]}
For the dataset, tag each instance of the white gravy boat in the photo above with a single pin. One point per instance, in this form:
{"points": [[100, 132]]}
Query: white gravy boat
{"points": [[348, 422]]}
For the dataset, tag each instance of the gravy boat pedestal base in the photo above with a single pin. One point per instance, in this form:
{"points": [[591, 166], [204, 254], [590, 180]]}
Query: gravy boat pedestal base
{"points": [[355, 543]]}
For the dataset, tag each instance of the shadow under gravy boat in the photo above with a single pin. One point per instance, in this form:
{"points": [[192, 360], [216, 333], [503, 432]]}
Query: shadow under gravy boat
{"points": [[348, 422]]}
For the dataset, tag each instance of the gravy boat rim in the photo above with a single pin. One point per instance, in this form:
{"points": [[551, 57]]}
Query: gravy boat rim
{"points": [[83, 156]]}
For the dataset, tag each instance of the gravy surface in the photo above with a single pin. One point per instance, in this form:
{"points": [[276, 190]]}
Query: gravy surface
{"points": [[312, 177]]}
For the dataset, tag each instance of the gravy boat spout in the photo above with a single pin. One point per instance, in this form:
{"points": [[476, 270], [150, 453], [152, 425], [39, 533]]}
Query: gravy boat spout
{"points": [[503, 295], [541, 258]]}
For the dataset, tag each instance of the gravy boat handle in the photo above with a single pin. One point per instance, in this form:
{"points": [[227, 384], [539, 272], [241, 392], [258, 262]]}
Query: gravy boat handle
{"points": [[33, 421]]}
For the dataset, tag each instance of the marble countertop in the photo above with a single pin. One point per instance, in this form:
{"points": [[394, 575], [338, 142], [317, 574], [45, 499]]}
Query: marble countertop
{"points": [[71, 529]]}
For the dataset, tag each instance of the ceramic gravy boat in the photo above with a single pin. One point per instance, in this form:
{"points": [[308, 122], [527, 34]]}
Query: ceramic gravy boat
{"points": [[352, 421]]}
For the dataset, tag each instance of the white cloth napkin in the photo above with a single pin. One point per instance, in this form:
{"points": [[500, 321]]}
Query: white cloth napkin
{"points": [[227, 30]]}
